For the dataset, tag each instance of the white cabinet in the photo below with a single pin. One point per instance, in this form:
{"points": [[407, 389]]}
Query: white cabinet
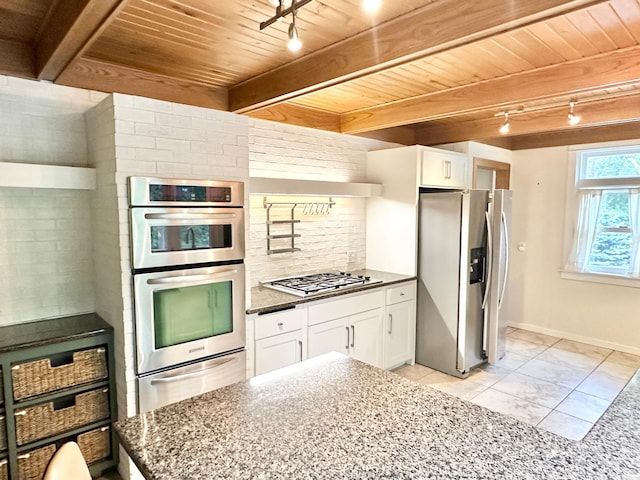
{"points": [[280, 339], [351, 325], [444, 169], [400, 325]]}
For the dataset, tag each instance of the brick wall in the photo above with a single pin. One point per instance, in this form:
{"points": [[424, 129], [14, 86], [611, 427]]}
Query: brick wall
{"points": [[45, 234]]}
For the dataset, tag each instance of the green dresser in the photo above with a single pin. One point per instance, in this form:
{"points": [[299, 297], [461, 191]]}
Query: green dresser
{"points": [[57, 384]]}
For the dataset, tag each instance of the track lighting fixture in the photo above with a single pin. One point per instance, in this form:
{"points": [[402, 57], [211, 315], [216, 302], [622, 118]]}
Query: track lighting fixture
{"points": [[371, 6], [284, 8], [504, 129], [573, 118]]}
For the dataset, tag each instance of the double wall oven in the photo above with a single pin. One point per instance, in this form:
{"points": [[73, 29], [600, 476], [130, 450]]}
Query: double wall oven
{"points": [[187, 255]]}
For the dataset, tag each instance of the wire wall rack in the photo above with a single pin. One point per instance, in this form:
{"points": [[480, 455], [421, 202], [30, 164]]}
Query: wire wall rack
{"points": [[282, 230]]}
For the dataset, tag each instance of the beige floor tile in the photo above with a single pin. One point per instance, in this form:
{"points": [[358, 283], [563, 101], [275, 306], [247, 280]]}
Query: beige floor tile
{"points": [[438, 377], [627, 359], [488, 375], [565, 425], [512, 361], [532, 389], [533, 337], [465, 390], [559, 374], [573, 359], [522, 347], [512, 406], [413, 372], [618, 370], [583, 406], [602, 386], [597, 353]]}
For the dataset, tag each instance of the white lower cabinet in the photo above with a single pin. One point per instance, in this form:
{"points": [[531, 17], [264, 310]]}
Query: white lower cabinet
{"points": [[351, 325], [280, 339], [376, 327], [400, 325]]}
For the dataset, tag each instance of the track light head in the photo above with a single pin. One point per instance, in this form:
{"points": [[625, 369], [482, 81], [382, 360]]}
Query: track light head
{"points": [[294, 43], [573, 118], [371, 6], [504, 129]]}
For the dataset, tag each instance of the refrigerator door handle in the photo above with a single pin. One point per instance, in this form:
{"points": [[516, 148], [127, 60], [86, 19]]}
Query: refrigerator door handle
{"points": [[503, 220], [489, 260]]}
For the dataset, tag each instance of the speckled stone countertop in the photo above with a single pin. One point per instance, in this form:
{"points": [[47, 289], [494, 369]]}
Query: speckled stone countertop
{"points": [[264, 300], [332, 417], [55, 330]]}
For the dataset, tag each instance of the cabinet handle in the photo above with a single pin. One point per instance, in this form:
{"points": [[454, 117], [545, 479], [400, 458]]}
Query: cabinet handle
{"points": [[20, 413], [347, 345], [280, 324], [390, 324], [300, 343], [23, 456], [353, 336]]}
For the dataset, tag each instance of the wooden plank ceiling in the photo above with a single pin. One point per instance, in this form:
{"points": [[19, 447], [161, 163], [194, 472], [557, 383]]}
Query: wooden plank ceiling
{"points": [[417, 71]]}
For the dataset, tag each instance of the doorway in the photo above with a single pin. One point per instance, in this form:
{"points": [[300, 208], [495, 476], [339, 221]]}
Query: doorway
{"points": [[490, 174]]}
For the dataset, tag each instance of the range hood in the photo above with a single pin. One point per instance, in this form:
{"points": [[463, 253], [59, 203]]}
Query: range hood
{"points": [[288, 186]]}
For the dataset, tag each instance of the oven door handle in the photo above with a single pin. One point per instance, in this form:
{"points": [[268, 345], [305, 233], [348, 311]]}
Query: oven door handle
{"points": [[198, 374], [188, 279], [188, 216]]}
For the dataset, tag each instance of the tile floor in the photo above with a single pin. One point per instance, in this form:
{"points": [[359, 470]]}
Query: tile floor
{"points": [[555, 384]]}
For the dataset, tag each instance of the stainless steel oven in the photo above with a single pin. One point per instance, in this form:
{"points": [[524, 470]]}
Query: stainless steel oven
{"points": [[187, 250], [185, 222]]}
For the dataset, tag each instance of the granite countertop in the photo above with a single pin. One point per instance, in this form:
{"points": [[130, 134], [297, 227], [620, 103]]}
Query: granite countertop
{"points": [[45, 332], [264, 300], [332, 417]]}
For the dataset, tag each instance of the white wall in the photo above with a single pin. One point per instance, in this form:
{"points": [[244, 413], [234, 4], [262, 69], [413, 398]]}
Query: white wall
{"points": [[46, 265], [538, 299], [330, 242]]}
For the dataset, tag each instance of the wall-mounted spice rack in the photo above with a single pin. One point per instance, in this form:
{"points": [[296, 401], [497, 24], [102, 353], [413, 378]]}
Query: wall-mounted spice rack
{"points": [[308, 208]]}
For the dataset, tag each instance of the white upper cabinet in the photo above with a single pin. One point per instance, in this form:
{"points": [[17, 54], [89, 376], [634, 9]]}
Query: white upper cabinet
{"points": [[443, 169]]}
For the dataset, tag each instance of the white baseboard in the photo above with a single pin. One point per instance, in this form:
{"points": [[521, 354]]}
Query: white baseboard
{"points": [[576, 338]]}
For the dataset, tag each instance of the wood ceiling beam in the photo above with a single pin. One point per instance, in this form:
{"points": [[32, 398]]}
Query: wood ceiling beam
{"points": [[435, 27], [16, 60], [300, 116], [602, 112], [106, 77], [567, 79], [70, 29]]}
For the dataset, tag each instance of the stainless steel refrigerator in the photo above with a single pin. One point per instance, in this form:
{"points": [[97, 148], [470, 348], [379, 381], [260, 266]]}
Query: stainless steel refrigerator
{"points": [[463, 264]]}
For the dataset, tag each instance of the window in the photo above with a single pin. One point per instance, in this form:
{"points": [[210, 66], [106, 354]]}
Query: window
{"points": [[606, 236]]}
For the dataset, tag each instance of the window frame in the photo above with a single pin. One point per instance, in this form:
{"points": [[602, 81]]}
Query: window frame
{"points": [[575, 184]]}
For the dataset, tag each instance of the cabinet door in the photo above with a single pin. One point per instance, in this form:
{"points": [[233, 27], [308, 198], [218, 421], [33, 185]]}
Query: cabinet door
{"points": [[365, 343], [398, 334], [332, 336], [444, 169], [278, 351]]}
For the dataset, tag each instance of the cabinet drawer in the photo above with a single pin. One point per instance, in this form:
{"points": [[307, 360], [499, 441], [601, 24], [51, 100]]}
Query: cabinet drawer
{"points": [[344, 307], [32, 464], [280, 322], [401, 293], [58, 371], [61, 415]]}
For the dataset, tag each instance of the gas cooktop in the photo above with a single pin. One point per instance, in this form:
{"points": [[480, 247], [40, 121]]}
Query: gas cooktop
{"points": [[306, 285]]}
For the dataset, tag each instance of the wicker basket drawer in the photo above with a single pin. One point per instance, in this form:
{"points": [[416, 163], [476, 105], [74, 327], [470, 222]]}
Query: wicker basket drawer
{"points": [[50, 374], [4, 469], [32, 464], [3, 433], [95, 445], [47, 419]]}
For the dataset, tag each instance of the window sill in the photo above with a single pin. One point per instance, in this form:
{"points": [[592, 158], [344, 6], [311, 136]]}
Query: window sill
{"points": [[600, 278]]}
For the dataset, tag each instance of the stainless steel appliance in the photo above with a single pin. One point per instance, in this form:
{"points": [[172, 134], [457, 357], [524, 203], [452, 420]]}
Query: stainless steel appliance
{"points": [[462, 271], [184, 222], [313, 284], [187, 243]]}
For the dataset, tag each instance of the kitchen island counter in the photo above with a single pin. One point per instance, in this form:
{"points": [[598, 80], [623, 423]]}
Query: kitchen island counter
{"points": [[264, 300], [332, 417]]}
